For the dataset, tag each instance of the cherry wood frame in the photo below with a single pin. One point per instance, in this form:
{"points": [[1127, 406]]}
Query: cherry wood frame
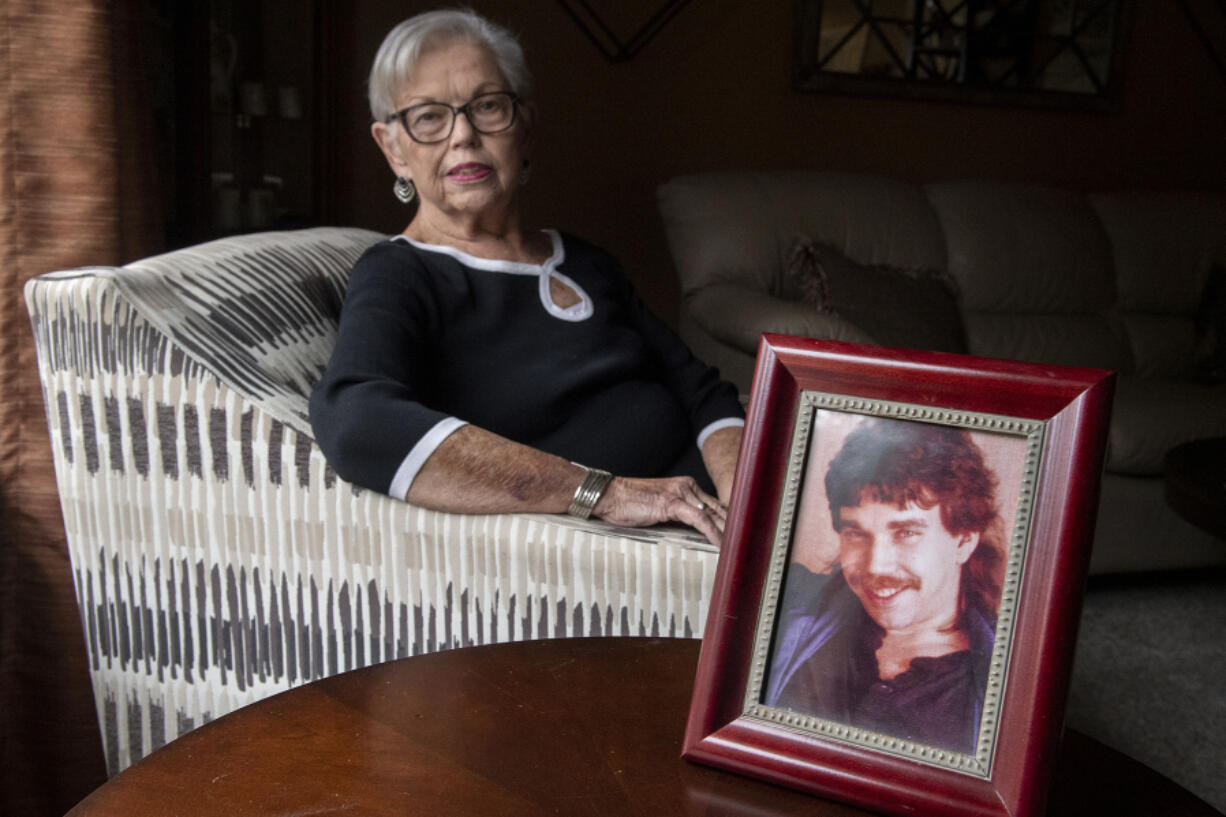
{"points": [[1072, 407]]}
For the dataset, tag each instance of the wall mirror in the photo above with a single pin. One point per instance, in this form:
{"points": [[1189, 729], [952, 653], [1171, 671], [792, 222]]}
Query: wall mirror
{"points": [[1057, 53]]}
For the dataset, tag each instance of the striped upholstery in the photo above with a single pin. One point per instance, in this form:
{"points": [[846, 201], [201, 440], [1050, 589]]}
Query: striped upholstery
{"points": [[217, 558]]}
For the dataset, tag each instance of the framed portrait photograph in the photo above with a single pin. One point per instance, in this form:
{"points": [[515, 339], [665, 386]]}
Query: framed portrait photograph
{"points": [[894, 614]]}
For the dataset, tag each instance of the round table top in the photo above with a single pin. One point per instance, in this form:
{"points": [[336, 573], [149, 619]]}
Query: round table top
{"points": [[569, 726], [1195, 474]]}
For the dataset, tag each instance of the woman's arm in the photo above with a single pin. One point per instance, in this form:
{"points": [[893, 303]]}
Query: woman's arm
{"points": [[477, 471], [719, 454], [706, 398]]}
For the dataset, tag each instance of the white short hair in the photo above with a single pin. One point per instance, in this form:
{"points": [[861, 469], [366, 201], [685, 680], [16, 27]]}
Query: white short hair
{"points": [[397, 56]]}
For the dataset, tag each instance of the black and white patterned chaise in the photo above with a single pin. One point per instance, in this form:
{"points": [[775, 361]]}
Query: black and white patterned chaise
{"points": [[217, 558]]}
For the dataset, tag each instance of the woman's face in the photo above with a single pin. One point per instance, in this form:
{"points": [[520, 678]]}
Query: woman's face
{"points": [[468, 173]]}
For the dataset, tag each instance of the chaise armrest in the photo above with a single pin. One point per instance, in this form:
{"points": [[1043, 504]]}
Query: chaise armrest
{"points": [[738, 315], [218, 559]]}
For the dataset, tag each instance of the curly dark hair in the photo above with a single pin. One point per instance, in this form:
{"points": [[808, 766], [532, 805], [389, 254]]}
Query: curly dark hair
{"points": [[900, 462]]}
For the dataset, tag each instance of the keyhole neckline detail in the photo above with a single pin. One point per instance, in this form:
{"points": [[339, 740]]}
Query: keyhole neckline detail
{"points": [[578, 311]]}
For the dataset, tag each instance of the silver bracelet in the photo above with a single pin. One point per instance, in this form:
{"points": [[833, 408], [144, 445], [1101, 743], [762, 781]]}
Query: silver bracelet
{"points": [[589, 492]]}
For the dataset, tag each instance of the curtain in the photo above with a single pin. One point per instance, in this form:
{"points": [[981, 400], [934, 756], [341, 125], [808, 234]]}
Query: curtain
{"points": [[74, 133]]}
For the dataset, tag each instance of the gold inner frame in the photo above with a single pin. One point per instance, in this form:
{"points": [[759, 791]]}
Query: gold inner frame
{"points": [[1033, 431]]}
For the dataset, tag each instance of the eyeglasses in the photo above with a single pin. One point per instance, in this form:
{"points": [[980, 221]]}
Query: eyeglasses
{"points": [[431, 122]]}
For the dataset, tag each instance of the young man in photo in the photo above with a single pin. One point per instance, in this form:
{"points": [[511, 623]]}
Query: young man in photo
{"points": [[897, 638]]}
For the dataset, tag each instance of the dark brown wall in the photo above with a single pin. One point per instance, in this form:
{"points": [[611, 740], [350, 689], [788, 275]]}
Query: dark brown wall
{"points": [[712, 91]]}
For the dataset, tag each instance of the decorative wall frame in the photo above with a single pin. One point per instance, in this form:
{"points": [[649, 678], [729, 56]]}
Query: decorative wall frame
{"points": [[1043, 53], [1041, 434], [1208, 21], [603, 32]]}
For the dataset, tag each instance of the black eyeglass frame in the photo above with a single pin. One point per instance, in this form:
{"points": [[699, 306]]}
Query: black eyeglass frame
{"points": [[455, 112]]}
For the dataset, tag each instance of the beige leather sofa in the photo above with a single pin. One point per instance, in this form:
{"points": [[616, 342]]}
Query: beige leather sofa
{"points": [[1040, 274]]}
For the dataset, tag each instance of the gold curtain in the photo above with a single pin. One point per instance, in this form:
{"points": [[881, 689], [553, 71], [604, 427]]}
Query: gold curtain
{"points": [[74, 130]]}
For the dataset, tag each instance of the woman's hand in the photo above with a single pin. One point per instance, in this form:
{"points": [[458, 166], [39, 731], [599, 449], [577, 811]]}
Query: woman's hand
{"points": [[475, 471], [640, 502]]}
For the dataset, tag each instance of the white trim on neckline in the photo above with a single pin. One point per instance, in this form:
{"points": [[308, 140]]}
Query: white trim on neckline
{"points": [[544, 272]]}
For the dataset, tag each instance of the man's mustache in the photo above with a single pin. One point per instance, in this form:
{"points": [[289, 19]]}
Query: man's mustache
{"points": [[884, 584]]}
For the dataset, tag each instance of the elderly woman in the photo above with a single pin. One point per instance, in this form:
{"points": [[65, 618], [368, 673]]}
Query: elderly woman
{"points": [[485, 367]]}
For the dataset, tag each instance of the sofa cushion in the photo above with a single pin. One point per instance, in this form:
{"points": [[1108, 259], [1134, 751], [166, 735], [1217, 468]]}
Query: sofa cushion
{"points": [[908, 308], [1064, 340], [738, 316], [1162, 346], [737, 227], [1163, 246], [1186, 346], [1023, 248], [1150, 417]]}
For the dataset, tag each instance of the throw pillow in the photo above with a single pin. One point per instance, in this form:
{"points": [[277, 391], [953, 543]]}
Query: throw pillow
{"points": [[911, 309], [1209, 355]]}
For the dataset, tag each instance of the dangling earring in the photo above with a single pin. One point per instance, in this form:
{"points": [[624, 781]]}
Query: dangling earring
{"points": [[404, 189], [525, 172]]}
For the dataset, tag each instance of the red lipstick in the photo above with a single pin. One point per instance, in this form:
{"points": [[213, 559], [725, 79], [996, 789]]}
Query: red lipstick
{"points": [[469, 172]]}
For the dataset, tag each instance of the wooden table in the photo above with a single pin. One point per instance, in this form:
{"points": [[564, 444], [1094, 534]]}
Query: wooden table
{"points": [[572, 727], [1195, 475]]}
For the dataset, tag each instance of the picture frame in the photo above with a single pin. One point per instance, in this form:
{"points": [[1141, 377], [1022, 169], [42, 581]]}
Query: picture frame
{"points": [[1060, 56], [794, 684]]}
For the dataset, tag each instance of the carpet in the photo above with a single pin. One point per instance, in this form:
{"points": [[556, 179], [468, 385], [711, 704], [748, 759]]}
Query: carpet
{"points": [[1150, 676]]}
